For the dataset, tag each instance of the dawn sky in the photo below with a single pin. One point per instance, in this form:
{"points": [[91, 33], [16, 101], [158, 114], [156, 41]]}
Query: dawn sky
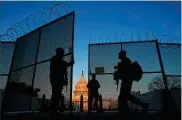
{"points": [[104, 18]]}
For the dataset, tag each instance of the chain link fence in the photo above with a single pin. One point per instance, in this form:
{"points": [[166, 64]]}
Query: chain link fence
{"points": [[6, 52], [147, 54], [28, 80]]}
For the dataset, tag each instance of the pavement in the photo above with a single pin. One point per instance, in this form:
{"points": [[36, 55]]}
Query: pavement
{"points": [[86, 116]]}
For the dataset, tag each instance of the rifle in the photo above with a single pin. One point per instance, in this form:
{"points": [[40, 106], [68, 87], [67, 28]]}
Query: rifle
{"points": [[116, 77]]}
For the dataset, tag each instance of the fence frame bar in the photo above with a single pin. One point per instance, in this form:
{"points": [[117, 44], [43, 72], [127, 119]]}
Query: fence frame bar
{"points": [[162, 71], [35, 67], [71, 82], [161, 65], [8, 80], [36, 59]]}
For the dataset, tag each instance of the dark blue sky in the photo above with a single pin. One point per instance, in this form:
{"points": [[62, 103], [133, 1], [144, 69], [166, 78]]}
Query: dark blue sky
{"points": [[106, 18]]}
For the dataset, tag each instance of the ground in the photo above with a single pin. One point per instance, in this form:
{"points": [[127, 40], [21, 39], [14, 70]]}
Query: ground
{"points": [[85, 116]]}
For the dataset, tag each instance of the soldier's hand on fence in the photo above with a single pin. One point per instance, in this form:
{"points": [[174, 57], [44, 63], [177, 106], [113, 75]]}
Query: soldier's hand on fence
{"points": [[115, 67], [71, 63]]}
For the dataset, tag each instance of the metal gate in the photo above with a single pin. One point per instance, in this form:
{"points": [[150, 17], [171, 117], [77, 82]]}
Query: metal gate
{"points": [[160, 62], [28, 79]]}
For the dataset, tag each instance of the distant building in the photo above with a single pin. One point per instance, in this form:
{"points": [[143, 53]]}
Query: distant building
{"points": [[80, 89], [109, 104]]}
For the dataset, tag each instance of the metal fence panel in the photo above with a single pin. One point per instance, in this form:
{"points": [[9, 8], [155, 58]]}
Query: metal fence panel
{"points": [[174, 82], [30, 65], [149, 88], [21, 73], [109, 91], [145, 53], [26, 50], [171, 57], [144, 90], [18, 92], [104, 56], [6, 53], [42, 82], [56, 35], [3, 81]]}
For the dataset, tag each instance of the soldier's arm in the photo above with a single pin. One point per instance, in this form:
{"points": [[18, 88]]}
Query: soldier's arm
{"points": [[98, 85], [71, 63], [117, 66], [66, 72], [51, 64], [88, 85]]}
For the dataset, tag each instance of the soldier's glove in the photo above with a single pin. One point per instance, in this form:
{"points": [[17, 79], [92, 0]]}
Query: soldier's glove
{"points": [[115, 67], [72, 62], [116, 76]]}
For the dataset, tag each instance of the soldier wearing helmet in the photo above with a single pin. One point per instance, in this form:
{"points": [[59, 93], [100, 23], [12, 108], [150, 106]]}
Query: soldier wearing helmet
{"points": [[58, 77]]}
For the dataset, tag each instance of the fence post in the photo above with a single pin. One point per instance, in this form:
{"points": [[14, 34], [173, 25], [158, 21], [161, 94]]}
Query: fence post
{"points": [[161, 65], [81, 103], [89, 73], [100, 103], [35, 68], [43, 103], [72, 58], [8, 81], [166, 105]]}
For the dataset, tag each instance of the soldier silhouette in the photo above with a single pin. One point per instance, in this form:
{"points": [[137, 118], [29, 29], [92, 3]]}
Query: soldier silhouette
{"points": [[124, 73], [58, 77], [93, 86]]}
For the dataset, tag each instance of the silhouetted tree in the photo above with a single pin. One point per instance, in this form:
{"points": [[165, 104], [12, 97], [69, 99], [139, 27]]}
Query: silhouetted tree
{"points": [[158, 84], [21, 87], [35, 92]]}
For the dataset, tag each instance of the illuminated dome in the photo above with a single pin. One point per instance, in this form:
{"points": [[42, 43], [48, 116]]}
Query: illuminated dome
{"points": [[81, 89]]}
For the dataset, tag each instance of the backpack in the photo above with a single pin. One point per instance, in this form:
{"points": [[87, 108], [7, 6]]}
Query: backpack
{"points": [[137, 71]]}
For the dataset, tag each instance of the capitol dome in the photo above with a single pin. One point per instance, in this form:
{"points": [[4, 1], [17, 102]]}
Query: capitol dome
{"points": [[81, 89]]}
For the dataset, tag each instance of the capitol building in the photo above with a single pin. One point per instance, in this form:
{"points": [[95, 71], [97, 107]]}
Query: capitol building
{"points": [[81, 89]]}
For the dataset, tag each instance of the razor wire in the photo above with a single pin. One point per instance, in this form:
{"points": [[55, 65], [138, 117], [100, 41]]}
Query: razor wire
{"points": [[30, 23], [165, 40]]}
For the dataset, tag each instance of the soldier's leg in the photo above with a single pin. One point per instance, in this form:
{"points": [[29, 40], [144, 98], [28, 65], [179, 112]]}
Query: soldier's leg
{"points": [[123, 102], [62, 100], [137, 101], [53, 98], [119, 100], [96, 98], [58, 95], [90, 102], [134, 99]]}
